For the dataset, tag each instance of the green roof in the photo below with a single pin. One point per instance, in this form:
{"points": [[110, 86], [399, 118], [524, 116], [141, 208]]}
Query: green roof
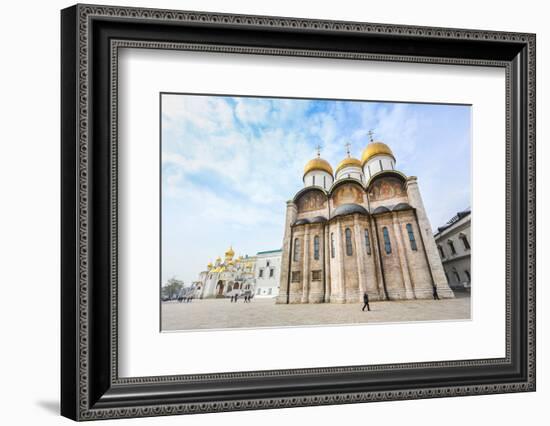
{"points": [[269, 251]]}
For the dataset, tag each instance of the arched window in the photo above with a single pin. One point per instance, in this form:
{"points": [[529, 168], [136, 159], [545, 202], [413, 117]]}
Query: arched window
{"points": [[468, 275], [296, 250], [367, 241], [411, 237], [457, 276], [387, 243], [313, 180], [441, 252], [465, 241], [316, 247], [452, 246], [349, 248], [332, 250]]}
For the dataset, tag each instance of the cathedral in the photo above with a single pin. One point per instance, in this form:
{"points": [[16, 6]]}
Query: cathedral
{"points": [[361, 228], [223, 278]]}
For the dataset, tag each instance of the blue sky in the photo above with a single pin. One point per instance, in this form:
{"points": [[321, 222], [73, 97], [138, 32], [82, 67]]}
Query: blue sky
{"points": [[230, 163]]}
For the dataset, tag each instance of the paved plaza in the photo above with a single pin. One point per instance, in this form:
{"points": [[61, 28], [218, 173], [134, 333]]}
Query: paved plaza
{"points": [[221, 313]]}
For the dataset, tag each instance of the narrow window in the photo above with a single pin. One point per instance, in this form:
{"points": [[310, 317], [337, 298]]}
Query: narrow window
{"points": [[441, 252], [271, 272], [468, 275], [452, 247], [349, 249], [332, 250], [325, 182], [381, 168], [411, 237], [313, 180], [261, 273], [267, 263], [387, 243], [392, 165], [296, 250], [316, 247], [457, 276], [465, 242], [367, 241]]}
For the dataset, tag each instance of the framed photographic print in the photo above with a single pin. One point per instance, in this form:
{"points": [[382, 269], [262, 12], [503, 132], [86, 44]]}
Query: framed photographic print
{"points": [[263, 212]]}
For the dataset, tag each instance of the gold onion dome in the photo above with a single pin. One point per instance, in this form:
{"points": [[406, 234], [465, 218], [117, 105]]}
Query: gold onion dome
{"points": [[375, 148], [209, 265], [318, 164], [229, 253], [348, 162]]}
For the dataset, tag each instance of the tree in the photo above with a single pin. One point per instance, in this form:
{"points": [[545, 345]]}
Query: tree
{"points": [[172, 288]]}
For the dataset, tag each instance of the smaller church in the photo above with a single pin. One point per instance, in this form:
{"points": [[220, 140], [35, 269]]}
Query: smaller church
{"points": [[359, 228]]}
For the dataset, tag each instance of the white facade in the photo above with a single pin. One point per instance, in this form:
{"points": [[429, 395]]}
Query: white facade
{"points": [[377, 164], [350, 172], [267, 273], [318, 178]]}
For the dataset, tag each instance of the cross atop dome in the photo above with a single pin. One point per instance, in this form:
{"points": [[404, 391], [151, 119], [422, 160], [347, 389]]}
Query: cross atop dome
{"points": [[318, 149], [371, 135], [348, 149]]}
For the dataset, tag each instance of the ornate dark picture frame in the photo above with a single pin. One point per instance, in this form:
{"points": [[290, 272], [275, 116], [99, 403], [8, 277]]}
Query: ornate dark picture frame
{"points": [[90, 38]]}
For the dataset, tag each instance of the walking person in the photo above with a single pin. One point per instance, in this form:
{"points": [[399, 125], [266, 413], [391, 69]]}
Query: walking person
{"points": [[236, 297], [366, 302], [232, 298], [435, 295]]}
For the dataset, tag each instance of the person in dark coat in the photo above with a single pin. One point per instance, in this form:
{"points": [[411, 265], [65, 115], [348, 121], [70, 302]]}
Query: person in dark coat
{"points": [[435, 295], [366, 301]]}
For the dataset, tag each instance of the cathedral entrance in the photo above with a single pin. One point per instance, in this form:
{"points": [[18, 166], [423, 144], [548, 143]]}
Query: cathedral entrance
{"points": [[220, 288]]}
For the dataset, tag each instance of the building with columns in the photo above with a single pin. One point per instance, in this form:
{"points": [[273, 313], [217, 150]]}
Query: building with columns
{"points": [[360, 228]]}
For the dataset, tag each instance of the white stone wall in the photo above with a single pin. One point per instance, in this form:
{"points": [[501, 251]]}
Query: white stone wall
{"points": [[318, 178], [352, 173], [267, 274], [377, 164]]}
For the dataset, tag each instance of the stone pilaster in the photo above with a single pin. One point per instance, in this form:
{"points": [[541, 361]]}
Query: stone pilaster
{"points": [[375, 247], [305, 270], [327, 273], [291, 213], [409, 292], [360, 257], [434, 261]]}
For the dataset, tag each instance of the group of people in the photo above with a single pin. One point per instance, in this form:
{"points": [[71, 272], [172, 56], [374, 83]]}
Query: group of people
{"points": [[246, 298], [186, 299]]}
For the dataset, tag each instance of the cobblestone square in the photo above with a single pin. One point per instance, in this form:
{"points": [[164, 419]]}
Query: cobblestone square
{"points": [[222, 314]]}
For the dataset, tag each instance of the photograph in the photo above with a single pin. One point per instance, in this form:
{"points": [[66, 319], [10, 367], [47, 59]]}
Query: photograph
{"points": [[300, 212]]}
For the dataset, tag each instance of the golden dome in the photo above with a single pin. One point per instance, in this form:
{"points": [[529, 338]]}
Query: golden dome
{"points": [[218, 259], [229, 253], [209, 265], [318, 164], [375, 148], [348, 162]]}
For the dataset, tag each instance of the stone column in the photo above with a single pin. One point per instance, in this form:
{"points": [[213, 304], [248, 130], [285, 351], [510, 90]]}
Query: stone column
{"points": [[291, 213], [326, 251], [305, 271], [340, 261], [434, 261], [409, 292], [359, 257], [375, 247]]}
